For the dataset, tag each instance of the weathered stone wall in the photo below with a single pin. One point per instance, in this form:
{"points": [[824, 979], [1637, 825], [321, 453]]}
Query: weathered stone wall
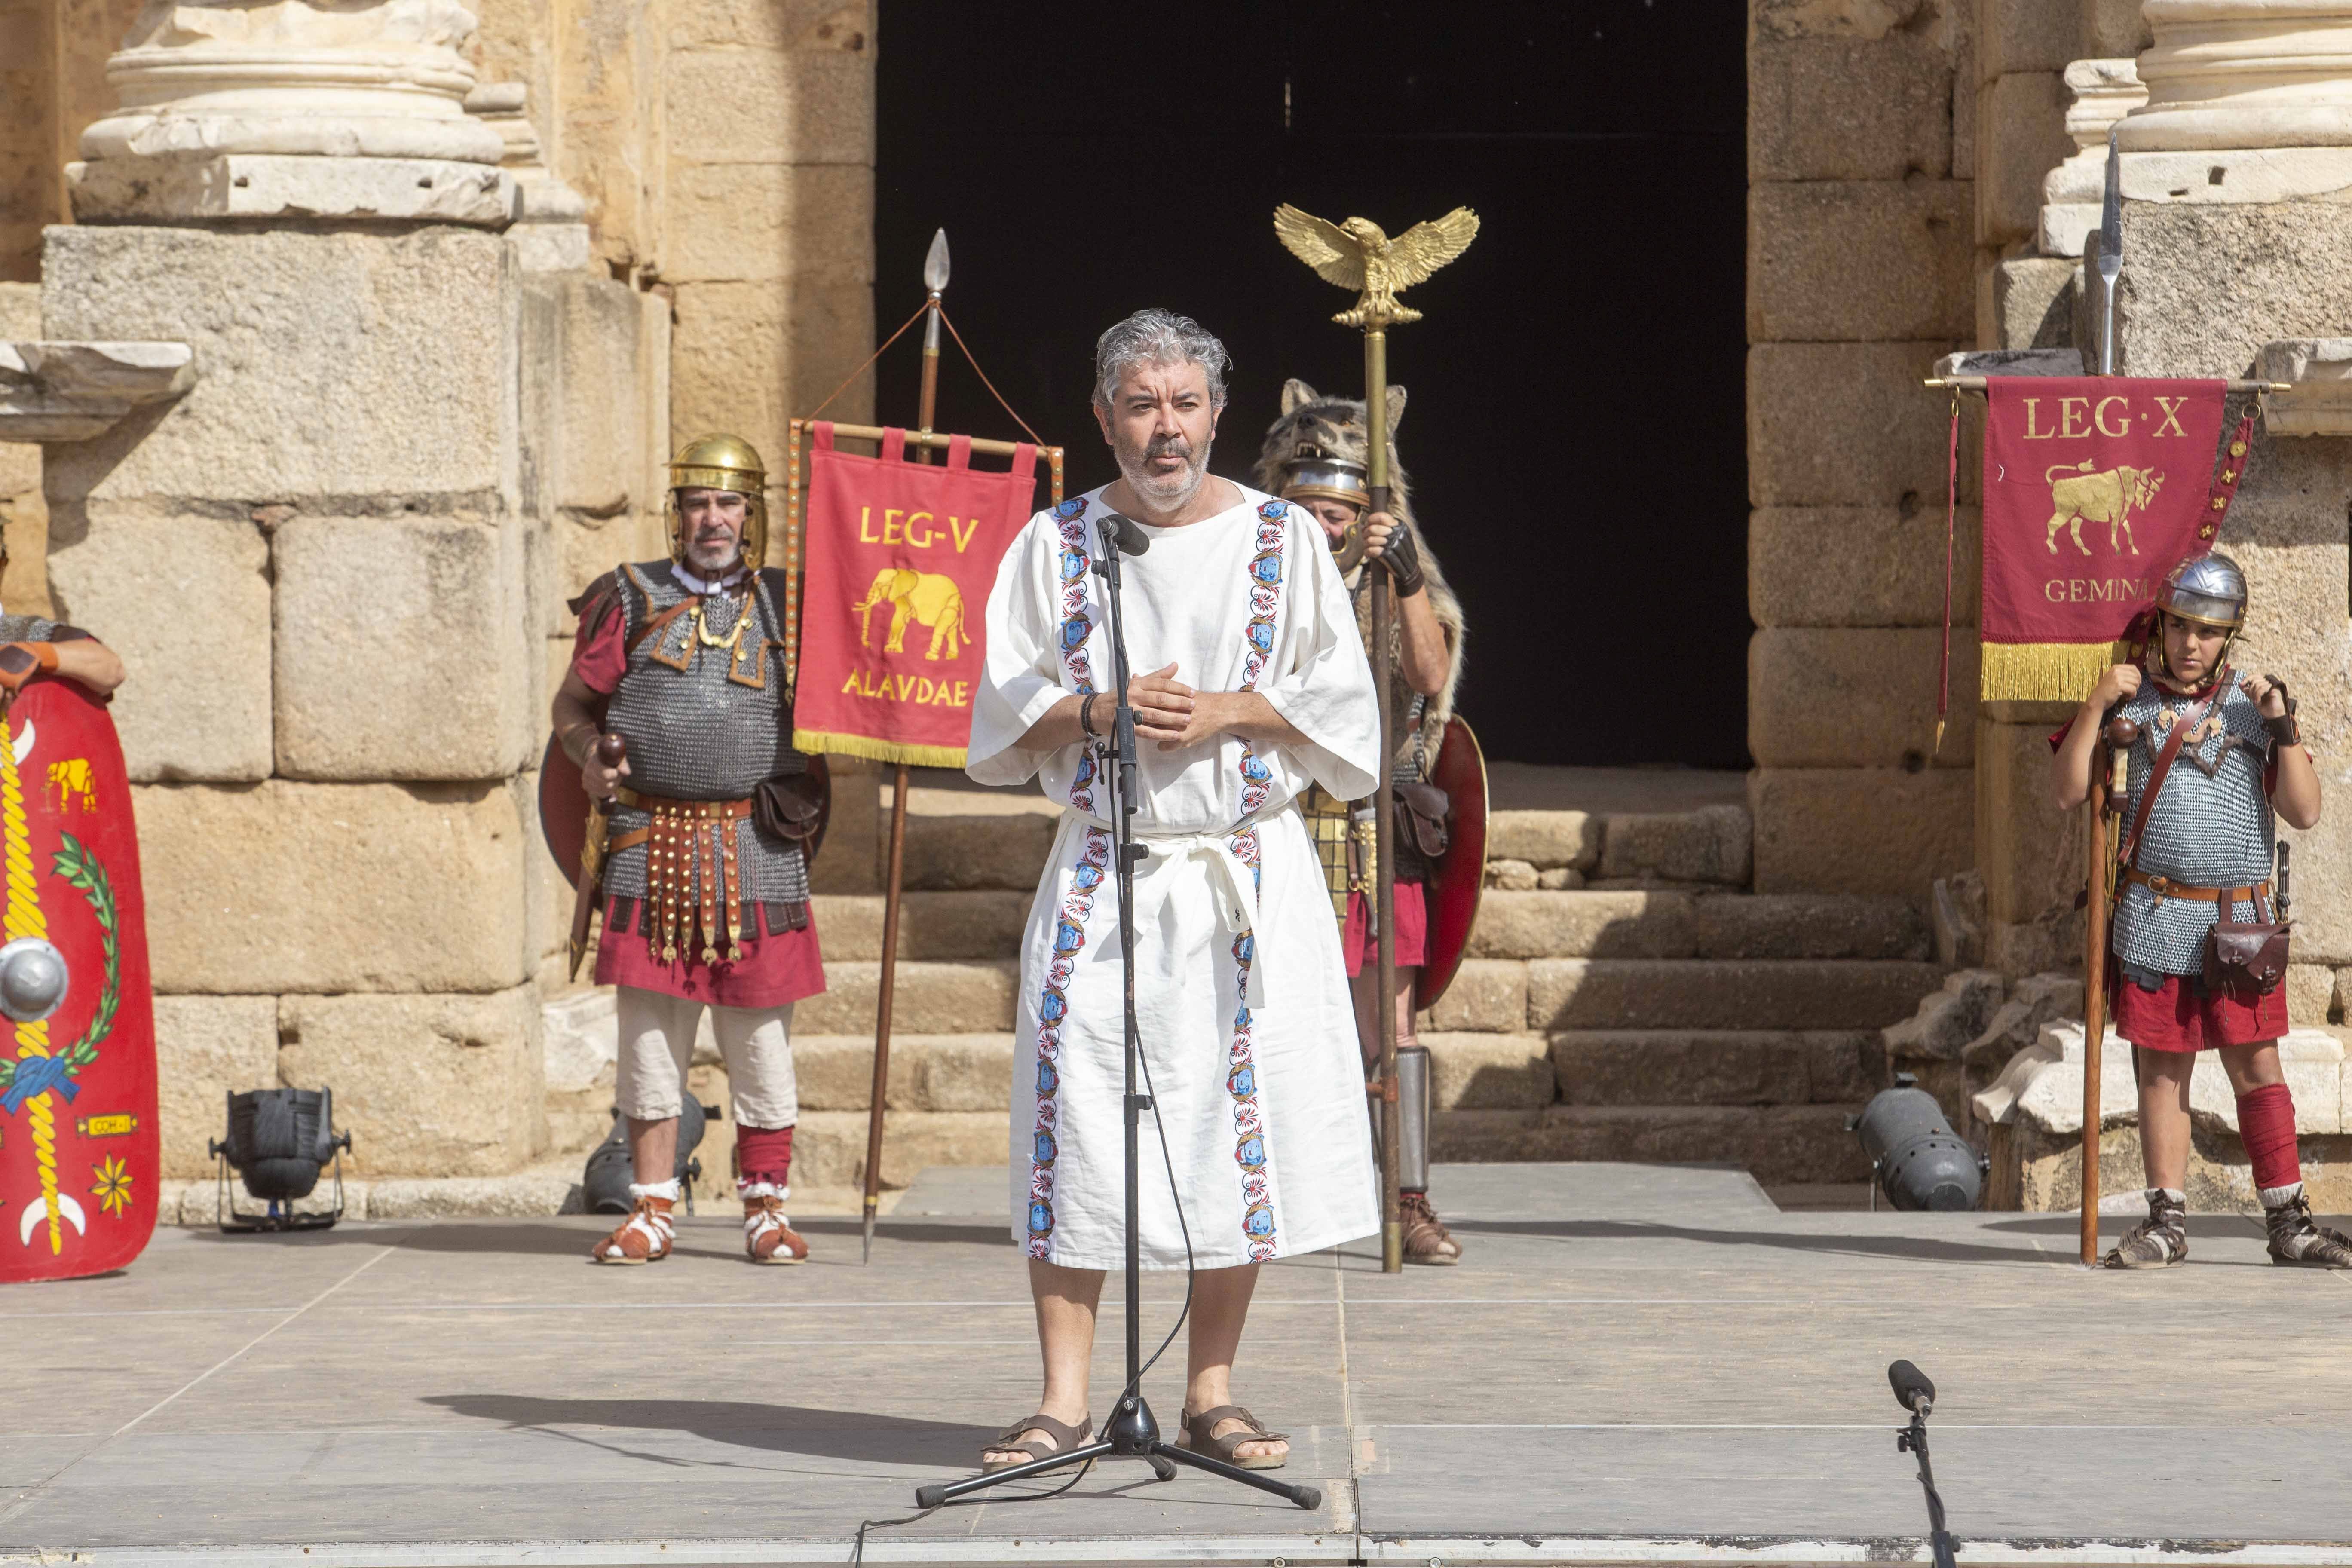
{"points": [[24, 516], [1862, 129], [337, 569], [52, 84]]}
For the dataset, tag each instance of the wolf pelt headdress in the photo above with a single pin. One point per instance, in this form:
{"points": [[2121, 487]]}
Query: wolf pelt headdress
{"points": [[1335, 426]]}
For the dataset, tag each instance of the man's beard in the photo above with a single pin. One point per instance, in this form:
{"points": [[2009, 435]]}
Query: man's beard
{"points": [[714, 559], [1166, 494]]}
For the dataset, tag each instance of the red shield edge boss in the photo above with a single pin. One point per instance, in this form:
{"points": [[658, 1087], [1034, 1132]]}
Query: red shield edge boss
{"points": [[1453, 889], [901, 559], [79, 1164]]}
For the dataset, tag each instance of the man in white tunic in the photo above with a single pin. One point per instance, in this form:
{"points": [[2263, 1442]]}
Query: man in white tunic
{"points": [[1257, 685]]}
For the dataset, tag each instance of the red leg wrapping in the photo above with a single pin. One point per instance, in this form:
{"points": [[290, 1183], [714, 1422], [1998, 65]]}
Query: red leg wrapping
{"points": [[765, 1153], [2266, 1122]]}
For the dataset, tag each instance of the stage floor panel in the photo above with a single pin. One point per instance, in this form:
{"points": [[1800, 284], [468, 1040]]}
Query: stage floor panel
{"points": [[1633, 1363]]}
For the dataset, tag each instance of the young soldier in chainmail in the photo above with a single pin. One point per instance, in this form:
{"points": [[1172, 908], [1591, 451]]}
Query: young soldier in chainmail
{"points": [[2205, 842], [706, 907]]}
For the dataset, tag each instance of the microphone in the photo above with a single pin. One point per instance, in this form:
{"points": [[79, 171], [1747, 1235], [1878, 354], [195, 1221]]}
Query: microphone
{"points": [[1912, 1389], [1128, 533]]}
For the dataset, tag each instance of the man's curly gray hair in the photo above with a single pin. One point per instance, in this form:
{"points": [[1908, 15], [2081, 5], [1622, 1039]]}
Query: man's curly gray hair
{"points": [[1159, 337]]}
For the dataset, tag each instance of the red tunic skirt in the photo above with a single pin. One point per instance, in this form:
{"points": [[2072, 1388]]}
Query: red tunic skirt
{"points": [[2175, 1018], [1412, 929], [776, 967]]}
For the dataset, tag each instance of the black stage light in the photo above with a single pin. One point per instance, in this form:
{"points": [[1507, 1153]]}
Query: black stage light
{"points": [[1916, 1158], [604, 1185], [278, 1140]]}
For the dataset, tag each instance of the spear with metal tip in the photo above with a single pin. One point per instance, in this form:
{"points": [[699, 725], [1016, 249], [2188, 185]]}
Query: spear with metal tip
{"points": [[935, 280], [2100, 805]]}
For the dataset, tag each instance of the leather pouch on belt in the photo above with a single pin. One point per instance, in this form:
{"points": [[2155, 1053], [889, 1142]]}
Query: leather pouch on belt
{"points": [[792, 808], [2245, 960], [1420, 813]]}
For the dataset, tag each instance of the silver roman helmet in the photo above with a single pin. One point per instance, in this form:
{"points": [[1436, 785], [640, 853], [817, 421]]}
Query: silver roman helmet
{"points": [[1311, 473], [2207, 589]]}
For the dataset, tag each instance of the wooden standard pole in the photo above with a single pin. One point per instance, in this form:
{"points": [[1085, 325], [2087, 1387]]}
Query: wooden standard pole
{"points": [[2095, 1006], [1376, 402], [935, 270]]}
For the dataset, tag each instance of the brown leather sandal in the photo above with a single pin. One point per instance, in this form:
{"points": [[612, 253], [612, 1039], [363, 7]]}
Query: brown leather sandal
{"points": [[1066, 1437], [1197, 1438]]}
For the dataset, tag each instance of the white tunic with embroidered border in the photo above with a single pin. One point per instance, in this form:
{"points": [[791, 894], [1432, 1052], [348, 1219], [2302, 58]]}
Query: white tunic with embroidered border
{"points": [[1248, 1027]]}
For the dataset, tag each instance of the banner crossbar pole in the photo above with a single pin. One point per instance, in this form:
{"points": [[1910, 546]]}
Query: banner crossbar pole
{"points": [[1977, 383], [934, 438]]}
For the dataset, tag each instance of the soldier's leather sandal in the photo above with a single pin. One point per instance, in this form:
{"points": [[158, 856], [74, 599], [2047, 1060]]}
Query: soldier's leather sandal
{"points": [[1197, 1430], [1066, 1437]]}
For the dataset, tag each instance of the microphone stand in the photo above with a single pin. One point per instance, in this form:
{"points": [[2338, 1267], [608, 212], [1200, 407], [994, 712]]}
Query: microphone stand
{"points": [[1131, 1432], [1915, 1441]]}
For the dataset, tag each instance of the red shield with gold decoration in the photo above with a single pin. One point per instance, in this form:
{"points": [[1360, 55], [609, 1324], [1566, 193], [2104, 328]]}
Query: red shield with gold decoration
{"points": [[1455, 885], [78, 1159]]}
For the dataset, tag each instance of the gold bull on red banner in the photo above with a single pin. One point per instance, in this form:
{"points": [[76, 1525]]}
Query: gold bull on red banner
{"points": [[2094, 488], [901, 557]]}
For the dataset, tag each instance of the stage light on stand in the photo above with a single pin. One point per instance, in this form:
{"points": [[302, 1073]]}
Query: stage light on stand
{"points": [[1916, 1158], [604, 1185], [278, 1140]]}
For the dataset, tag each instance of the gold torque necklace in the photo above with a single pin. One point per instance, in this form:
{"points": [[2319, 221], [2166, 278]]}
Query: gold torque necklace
{"points": [[731, 638]]}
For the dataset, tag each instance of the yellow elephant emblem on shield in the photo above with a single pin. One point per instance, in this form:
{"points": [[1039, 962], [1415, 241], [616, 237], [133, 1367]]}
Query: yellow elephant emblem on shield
{"points": [[925, 596], [71, 779]]}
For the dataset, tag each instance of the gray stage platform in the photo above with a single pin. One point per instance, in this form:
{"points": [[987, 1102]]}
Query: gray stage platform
{"points": [[1634, 1365]]}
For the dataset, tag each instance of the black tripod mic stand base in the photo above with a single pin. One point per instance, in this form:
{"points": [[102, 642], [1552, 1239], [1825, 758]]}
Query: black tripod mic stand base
{"points": [[1130, 1434]]}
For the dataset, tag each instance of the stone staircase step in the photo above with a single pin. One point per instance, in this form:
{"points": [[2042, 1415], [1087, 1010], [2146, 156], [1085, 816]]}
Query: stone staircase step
{"points": [[966, 997], [1775, 1143], [829, 1147], [1472, 1071], [1677, 924], [1724, 993], [1006, 850], [971, 924], [928, 1072], [1707, 846], [1546, 995], [1716, 1067]]}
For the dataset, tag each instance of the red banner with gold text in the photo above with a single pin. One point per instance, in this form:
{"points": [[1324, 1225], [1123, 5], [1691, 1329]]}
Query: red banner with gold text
{"points": [[2094, 488], [901, 557]]}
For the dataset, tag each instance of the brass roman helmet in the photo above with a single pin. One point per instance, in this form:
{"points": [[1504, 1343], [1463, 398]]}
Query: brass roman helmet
{"points": [[720, 462]]}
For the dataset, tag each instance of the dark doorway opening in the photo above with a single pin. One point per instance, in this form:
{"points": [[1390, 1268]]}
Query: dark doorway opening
{"points": [[1576, 425]]}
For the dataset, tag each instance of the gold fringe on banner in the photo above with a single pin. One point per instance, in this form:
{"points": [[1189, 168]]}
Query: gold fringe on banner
{"points": [[815, 741], [2044, 672]]}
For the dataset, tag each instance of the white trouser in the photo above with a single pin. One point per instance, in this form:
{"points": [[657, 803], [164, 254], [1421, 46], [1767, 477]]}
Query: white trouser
{"points": [[657, 1046]]}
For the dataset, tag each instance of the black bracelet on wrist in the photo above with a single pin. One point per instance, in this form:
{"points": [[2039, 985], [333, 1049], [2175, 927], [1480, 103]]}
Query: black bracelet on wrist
{"points": [[1086, 714]]}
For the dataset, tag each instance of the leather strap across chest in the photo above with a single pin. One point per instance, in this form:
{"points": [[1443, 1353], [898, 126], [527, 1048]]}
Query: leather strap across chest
{"points": [[2164, 760]]}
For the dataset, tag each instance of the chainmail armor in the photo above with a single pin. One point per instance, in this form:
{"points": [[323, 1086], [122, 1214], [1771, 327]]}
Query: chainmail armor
{"points": [[697, 734], [2205, 831]]}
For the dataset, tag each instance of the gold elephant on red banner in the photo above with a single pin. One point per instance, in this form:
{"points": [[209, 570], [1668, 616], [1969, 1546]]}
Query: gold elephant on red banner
{"points": [[925, 596]]}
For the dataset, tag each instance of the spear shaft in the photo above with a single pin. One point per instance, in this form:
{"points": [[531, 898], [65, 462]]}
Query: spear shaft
{"points": [[935, 278]]}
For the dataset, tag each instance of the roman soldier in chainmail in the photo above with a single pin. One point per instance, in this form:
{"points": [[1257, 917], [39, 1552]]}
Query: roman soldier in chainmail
{"points": [[1314, 455], [2199, 854], [705, 874]]}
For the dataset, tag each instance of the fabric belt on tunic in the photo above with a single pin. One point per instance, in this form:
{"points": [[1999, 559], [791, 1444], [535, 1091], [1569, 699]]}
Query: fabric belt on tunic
{"points": [[2258, 895], [1232, 884], [693, 886]]}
